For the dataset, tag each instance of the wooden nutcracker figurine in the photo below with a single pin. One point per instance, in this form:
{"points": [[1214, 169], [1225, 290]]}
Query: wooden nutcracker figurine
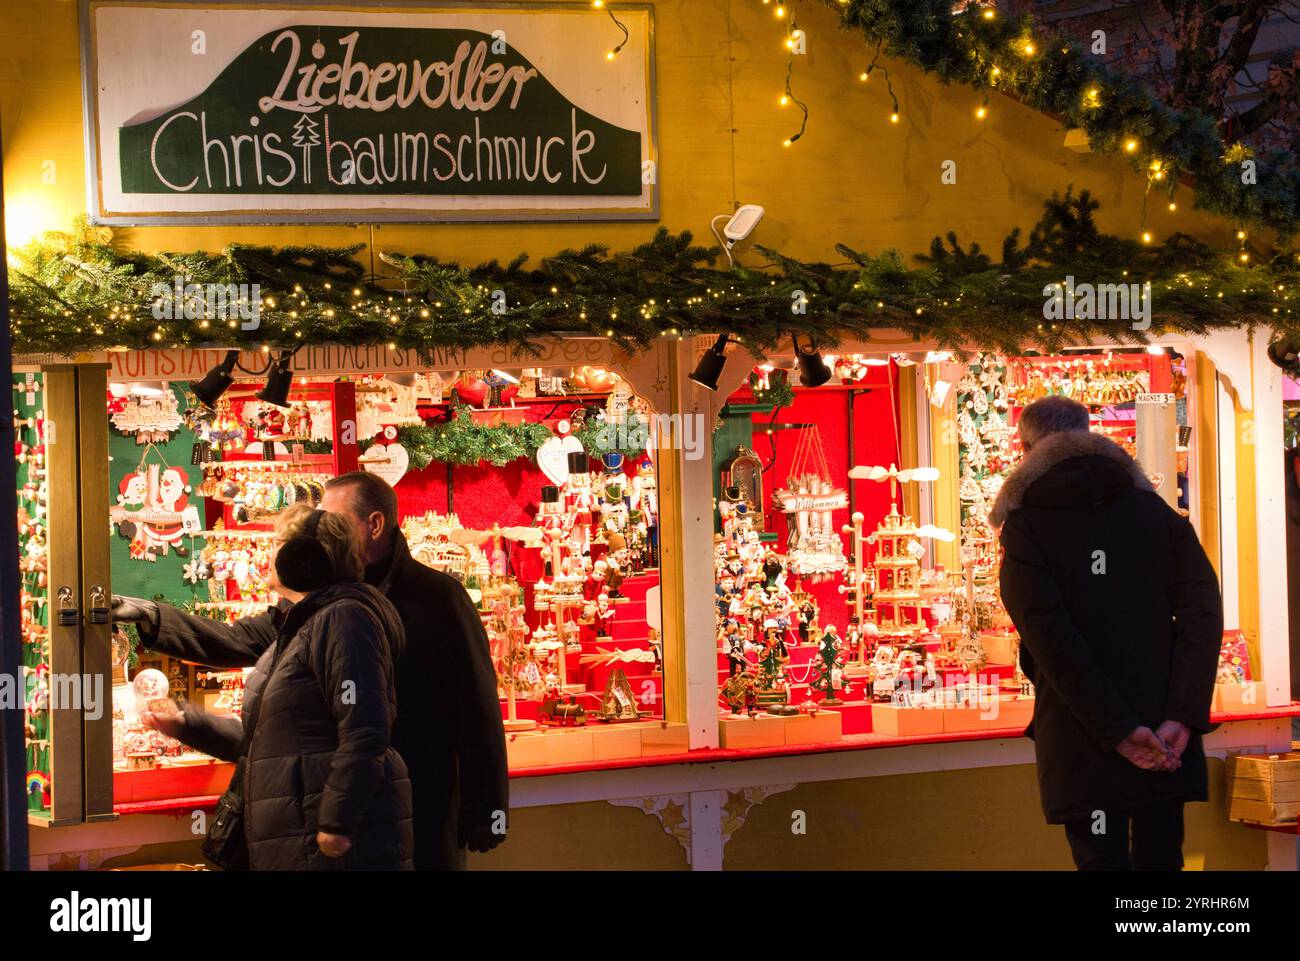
{"points": [[732, 639], [580, 501], [555, 524]]}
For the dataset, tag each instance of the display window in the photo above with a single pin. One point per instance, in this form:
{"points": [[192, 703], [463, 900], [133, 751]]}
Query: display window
{"points": [[856, 564], [535, 488]]}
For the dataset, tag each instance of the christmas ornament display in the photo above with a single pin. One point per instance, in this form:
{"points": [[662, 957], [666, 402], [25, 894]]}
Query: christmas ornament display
{"points": [[810, 500], [149, 412], [34, 595]]}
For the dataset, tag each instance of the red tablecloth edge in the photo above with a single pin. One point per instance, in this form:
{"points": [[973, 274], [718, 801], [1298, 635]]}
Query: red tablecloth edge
{"points": [[850, 742], [171, 805]]}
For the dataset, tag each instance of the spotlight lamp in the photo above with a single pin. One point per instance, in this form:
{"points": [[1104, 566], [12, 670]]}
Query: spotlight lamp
{"points": [[710, 367], [278, 381], [1284, 352], [216, 381], [813, 371]]}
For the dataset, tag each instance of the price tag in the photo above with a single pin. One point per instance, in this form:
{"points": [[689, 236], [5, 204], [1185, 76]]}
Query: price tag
{"points": [[190, 520]]}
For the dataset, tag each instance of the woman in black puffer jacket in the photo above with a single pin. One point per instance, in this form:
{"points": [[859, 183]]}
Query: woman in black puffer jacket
{"points": [[323, 788]]}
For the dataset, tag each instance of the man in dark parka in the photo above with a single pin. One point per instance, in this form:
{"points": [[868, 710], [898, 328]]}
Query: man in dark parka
{"points": [[449, 727], [1120, 622]]}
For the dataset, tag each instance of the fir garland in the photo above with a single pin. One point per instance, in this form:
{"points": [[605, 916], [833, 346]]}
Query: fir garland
{"points": [[779, 394], [462, 442], [1045, 70], [626, 435], [78, 292]]}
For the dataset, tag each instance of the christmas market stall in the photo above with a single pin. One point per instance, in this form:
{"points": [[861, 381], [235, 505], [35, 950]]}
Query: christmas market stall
{"points": [[723, 509]]}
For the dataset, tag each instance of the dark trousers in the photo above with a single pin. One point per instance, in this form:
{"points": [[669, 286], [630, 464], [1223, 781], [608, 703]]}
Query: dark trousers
{"points": [[1156, 843]]}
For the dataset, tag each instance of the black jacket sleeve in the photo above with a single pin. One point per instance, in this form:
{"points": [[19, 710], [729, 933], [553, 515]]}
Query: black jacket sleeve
{"points": [[1059, 653], [206, 641], [353, 662], [221, 737], [480, 734], [1198, 629]]}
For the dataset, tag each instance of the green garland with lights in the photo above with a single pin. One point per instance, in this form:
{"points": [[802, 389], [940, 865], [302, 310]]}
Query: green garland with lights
{"points": [[1045, 70], [79, 292], [596, 435], [779, 394], [465, 443]]}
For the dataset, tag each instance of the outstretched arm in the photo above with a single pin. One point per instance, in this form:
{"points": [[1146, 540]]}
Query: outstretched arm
{"points": [[175, 633]]}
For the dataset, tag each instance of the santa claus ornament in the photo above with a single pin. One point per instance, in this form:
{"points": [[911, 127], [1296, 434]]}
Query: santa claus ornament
{"points": [[153, 511]]}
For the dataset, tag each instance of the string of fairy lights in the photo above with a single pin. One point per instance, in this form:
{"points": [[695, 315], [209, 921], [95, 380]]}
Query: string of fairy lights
{"points": [[594, 293], [1010, 66]]}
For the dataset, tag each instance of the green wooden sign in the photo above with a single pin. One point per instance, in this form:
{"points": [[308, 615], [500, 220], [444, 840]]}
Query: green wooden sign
{"points": [[204, 114]]}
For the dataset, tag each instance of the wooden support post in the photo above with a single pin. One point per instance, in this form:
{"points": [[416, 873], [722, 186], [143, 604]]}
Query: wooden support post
{"points": [[96, 590]]}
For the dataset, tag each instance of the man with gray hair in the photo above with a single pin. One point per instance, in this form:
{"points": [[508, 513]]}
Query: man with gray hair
{"points": [[1120, 623]]}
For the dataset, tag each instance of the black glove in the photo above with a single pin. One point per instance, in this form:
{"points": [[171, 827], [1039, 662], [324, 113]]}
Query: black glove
{"points": [[136, 610], [479, 838]]}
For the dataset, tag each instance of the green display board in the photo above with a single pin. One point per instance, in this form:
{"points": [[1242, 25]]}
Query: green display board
{"points": [[149, 558], [471, 122]]}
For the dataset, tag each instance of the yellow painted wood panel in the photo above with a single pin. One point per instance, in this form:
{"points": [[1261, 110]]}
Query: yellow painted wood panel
{"points": [[977, 819], [1247, 533], [1205, 440], [853, 178], [945, 455]]}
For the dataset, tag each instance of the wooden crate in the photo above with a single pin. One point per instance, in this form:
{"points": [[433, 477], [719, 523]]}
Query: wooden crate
{"points": [[825, 725], [906, 721], [1264, 788], [745, 733]]}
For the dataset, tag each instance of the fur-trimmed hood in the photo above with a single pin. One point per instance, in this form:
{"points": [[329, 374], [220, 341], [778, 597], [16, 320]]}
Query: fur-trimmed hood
{"points": [[1052, 450]]}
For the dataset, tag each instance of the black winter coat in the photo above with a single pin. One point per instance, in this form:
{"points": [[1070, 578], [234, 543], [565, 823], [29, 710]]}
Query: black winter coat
{"points": [[449, 729], [449, 726], [1120, 623], [321, 699]]}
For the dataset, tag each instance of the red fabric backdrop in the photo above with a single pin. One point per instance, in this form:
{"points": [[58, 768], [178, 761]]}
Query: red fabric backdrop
{"points": [[874, 429], [487, 495]]}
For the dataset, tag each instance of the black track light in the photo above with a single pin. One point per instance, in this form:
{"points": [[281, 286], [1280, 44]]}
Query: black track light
{"points": [[813, 371], [216, 381], [709, 369], [278, 381], [1284, 352]]}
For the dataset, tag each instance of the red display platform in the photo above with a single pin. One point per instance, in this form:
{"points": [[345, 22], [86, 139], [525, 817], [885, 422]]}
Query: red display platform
{"points": [[199, 779]]}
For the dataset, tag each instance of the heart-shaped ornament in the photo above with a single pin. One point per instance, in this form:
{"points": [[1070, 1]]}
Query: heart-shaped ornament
{"points": [[553, 457], [391, 462]]}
